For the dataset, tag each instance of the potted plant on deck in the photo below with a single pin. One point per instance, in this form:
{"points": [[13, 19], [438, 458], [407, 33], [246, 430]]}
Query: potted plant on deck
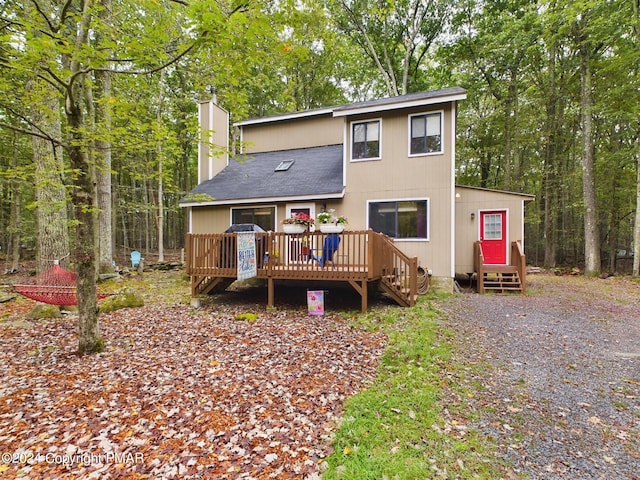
{"points": [[329, 222], [297, 223]]}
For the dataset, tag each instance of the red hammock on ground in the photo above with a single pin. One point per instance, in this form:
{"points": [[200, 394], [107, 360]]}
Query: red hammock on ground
{"points": [[55, 286]]}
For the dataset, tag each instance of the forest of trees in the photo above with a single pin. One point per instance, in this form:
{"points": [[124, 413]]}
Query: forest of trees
{"points": [[98, 110]]}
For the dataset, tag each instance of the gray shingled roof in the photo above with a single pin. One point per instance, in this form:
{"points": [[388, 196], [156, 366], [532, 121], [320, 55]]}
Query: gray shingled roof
{"points": [[388, 103], [402, 99], [316, 171]]}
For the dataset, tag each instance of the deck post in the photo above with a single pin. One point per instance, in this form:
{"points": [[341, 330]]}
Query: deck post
{"points": [[365, 289], [270, 294], [362, 289]]}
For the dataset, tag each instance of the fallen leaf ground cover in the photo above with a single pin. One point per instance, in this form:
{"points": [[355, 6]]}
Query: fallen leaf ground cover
{"points": [[179, 393], [493, 386]]}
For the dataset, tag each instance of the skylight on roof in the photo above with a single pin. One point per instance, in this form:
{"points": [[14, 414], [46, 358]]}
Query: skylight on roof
{"points": [[284, 165]]}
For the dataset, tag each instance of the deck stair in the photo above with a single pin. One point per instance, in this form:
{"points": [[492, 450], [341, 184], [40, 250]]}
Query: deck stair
{"points": [[398, 272], [207, 285], [501, 278], [393, 286]]}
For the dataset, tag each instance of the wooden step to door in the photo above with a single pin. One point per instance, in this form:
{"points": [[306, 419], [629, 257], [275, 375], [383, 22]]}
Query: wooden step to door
{"points": [[501, 278]]}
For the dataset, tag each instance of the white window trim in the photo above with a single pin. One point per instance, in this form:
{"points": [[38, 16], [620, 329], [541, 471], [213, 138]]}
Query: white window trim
{"points": [[350, 143], [418, 199], [426, 154]]}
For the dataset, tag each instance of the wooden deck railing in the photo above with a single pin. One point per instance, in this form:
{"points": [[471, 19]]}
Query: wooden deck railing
{"points": [[362, 256], [478, 264], [397, 271], [519, 260]]}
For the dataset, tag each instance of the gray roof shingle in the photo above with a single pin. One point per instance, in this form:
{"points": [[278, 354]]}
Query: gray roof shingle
{"points": [[316, 171], [400, 100]]}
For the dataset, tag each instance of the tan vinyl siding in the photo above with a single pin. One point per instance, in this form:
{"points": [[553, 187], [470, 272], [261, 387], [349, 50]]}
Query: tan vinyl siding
{"points": [[289, 134], [210, 219], [220, 139], [214, 144], [203, 145], [472, 201], [397, 176]]}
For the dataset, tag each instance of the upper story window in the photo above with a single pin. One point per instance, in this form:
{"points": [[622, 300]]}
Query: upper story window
{"points": [[425, 133], [400, 219], [365, 140]]}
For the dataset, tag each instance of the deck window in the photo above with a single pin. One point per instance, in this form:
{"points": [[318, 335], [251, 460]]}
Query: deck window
{"points": [[400, 219], [263, 216], [365, 140], [425, 133]]}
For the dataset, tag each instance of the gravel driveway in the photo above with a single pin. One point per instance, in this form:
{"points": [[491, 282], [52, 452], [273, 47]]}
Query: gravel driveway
{"points": [[557, 374]]}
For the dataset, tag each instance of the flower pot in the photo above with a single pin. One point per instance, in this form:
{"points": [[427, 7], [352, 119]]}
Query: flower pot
{"points": [[331, 228], [293, 228]]}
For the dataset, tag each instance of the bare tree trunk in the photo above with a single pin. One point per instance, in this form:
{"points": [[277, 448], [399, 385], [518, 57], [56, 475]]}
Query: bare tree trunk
{"points": [[84, 193], [636, 226], [125, 232], [89, 340], [160, 211], [13, 248], [146, 186], [52, 239], [160, 176], [591, 232], [550, 168], [103, 174], [510, 129], [103, 160]]}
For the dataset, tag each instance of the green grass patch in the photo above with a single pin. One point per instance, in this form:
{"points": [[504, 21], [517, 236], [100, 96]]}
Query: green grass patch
{"points": [[402, 426], [247, 317], [156, 287]]}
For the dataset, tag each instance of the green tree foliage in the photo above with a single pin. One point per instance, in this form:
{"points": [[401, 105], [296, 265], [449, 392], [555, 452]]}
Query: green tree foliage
{"points": [[519, 128], [521, 125], [54, 44], [392, 38]]}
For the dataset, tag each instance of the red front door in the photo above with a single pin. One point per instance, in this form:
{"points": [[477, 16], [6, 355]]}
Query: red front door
{"points": [[493, 228]]}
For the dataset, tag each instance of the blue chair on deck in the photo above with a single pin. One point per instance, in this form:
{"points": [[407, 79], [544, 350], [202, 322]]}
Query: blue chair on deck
{"points": [[135, 258], [329, 248]]}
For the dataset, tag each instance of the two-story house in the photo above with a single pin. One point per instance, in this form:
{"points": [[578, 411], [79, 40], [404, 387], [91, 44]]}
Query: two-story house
{"points": [[387, 165]]}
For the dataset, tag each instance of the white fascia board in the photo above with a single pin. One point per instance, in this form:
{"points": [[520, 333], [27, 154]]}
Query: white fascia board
{"points": [[522, 224], [279, 118], [299, 198], [399, 105]]}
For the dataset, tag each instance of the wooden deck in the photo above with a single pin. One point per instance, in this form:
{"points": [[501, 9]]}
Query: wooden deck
{"points": [[362, 258]]}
